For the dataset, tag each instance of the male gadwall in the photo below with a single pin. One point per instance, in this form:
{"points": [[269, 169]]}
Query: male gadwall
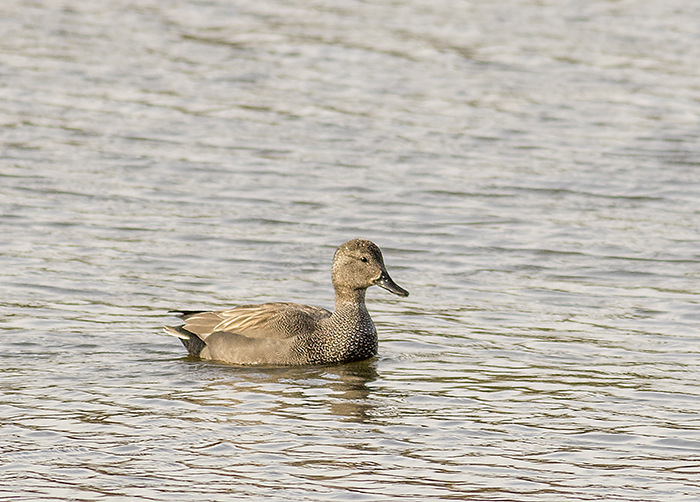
{"points": [[293, 334]]}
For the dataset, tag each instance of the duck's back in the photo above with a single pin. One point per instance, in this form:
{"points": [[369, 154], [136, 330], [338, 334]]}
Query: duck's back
{"points": [[268, 320]]}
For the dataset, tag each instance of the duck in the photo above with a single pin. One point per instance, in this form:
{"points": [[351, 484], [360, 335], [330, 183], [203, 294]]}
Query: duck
{"points": [[291, 334]]}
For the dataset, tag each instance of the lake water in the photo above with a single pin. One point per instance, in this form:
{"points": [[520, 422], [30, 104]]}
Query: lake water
{"points": [[531, 170]]}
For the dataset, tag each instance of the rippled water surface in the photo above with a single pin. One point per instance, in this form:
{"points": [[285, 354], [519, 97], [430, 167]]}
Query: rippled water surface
{"points": [[531, 170]]}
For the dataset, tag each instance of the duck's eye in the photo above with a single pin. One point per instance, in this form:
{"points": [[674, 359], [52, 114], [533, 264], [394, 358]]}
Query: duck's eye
{"points": [[363, 259]]}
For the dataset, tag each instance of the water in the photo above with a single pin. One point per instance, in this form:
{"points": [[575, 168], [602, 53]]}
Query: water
{"points": [[530, 169]]}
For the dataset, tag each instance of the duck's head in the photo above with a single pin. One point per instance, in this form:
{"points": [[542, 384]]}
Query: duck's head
{"points": [[358, 264]]}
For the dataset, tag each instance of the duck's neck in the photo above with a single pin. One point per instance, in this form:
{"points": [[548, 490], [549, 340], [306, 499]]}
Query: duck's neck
{"points": [[350, 298], [350, 315], [349, 333]]}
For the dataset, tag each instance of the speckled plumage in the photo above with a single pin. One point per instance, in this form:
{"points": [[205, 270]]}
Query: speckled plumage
{"points": [[293, 334]]}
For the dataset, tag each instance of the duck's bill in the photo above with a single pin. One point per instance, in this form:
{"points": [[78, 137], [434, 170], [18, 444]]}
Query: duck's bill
{"points": [[384, 281]]}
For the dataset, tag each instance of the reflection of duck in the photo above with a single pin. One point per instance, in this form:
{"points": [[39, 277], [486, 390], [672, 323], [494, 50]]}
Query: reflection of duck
{"points": [[298, 392], [293, 334], [352, 404]]}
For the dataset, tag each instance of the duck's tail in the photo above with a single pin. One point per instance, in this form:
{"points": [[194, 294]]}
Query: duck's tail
{"points": [[192, 342]]}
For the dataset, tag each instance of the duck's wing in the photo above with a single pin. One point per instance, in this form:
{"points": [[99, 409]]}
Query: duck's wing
{"points": [[268, 320]]}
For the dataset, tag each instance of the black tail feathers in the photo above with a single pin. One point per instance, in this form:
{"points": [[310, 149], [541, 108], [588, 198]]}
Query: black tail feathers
{"points": [[192, 342]]}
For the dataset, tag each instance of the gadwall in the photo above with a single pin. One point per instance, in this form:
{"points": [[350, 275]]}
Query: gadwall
{"points": [[293, 334]]}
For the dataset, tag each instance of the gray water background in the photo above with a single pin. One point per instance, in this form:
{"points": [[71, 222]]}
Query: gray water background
{"points": [[530, 169]]}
